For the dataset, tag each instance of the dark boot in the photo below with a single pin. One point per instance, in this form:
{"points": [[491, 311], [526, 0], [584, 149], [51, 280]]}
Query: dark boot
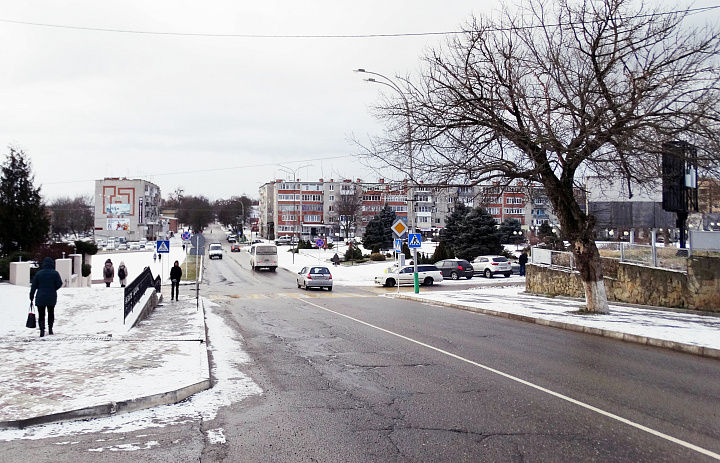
{"points": [[42, 332], [50, 330]]}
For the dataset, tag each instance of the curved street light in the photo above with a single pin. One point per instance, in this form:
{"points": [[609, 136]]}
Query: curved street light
{"points": [[411, 217]]}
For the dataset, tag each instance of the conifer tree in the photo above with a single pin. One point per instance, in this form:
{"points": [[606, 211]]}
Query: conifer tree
{"points": [[25, 221]]}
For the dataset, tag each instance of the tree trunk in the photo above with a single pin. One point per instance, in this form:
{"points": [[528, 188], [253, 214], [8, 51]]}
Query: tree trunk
{"points": [[587, 259]]}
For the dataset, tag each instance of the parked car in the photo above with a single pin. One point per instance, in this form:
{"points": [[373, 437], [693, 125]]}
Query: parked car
{"points": [[216, 251], [232, 238], [489, 266], [235, 247], [133, 246], [427, 275], [286, 239], [455, 268], [314, 276]]}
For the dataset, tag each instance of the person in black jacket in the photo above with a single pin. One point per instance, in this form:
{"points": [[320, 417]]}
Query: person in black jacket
{"points": [[46, 283], [175, 275], [523, 260]]}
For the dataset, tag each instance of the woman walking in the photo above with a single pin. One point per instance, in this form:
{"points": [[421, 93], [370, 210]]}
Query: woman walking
{"points": [[46, 283], [175, 275], [108, 273], [122, 274]]}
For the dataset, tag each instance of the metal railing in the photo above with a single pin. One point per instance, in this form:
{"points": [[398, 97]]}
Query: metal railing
{"points": [[135, 290]]}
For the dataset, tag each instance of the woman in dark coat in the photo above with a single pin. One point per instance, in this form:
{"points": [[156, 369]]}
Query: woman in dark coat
{"points": [[46, 283], [175, 275]]}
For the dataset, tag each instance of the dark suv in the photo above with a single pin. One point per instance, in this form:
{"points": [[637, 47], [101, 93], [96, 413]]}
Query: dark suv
{"points": [[453, 269]]}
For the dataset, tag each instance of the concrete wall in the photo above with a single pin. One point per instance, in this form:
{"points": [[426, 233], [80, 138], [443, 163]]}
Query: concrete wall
{"points": [[698, 289]]}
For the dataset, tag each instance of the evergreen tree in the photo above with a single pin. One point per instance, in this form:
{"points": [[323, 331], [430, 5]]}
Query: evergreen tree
{"points": [[471, 232], [441, 252], [25, 221], [507, 227], [378, 233]]}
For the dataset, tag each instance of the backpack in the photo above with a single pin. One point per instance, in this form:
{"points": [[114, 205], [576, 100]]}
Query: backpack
{"points": [[121, 273], [108, 272]]}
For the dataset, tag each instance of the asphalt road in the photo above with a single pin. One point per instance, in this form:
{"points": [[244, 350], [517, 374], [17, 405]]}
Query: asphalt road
{"points": [[355, 376]]}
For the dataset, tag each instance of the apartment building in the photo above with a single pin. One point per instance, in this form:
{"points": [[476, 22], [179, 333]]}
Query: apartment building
{"points": [[128, 208], [315, 209]]}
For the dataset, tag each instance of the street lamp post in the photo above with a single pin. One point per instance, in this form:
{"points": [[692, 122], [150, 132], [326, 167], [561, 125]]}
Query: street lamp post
{"points": [[294, 179], [411, 209]]}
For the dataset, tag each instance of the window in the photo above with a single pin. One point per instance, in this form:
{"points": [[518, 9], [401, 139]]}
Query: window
{"points": [[493, 210], [514, 211], [311, 197], [331, 198], [331, 187], [539, 201], [312, 218], [513, 200]]}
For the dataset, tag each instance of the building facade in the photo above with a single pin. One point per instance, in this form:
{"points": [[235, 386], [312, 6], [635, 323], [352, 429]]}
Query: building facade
{"points": [[312, 210], [128, 208]]}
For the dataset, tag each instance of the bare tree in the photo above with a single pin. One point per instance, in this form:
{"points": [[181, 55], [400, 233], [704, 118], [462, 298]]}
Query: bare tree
{"points": [[347, 208], [72, 215], [552, 91]]}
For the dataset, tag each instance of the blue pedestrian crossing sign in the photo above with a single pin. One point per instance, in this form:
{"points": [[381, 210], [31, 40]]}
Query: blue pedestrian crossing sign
{"points": [[398, 246], [414, 240], [163, 247]]}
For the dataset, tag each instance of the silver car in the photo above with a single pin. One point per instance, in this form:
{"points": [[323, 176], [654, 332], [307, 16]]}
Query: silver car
{"points": [[489, 266], [315, 276]]}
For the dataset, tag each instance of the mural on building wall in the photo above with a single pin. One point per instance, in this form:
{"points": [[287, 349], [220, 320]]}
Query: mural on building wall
{"points": [[117, 209], [118, 199], [118, 224]]}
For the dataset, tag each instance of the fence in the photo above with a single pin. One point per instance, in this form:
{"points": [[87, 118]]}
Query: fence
{"points": [[650, 255], [135, 290], [554, 259]]}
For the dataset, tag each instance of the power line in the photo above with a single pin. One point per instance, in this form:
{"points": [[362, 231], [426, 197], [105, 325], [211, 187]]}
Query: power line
{"points": [[164, 174], [319, 36]]}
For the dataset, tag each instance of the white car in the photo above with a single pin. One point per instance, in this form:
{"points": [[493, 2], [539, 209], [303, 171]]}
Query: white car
{"points": [[134, 246], [216, 250], [427, 275], [489, 266]]}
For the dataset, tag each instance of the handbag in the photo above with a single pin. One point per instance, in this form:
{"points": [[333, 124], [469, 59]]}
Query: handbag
{"points": [[30, 323]]}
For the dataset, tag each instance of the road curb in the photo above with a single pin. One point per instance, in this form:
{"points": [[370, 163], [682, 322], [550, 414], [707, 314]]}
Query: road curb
{"points": [[112, 408], [626, 337]]}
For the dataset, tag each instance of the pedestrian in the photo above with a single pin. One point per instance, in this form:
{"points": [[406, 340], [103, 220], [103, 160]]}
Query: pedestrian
{"points": [[175, 275], [46, 283], [523, 260], [122, 274], [154, 257], [108, 273], [336, 259]]}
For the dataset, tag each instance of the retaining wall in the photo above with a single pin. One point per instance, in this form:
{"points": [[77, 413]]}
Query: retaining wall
{"points": [[697, 289]]}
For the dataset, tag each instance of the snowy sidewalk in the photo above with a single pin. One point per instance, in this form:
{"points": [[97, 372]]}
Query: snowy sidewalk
{"points": [[94, 365], [677, 330]]}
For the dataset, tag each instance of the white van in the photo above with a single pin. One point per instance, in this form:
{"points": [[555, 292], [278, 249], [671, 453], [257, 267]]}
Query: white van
{"points": [[263, 255]]}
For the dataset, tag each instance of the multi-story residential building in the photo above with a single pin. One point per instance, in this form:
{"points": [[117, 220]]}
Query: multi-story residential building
{"points": [[283, 203], [128, 208]]}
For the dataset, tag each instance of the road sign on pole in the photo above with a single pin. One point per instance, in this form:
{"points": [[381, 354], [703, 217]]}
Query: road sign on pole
{"points": [[197, 240], [414, 240], [319, 243], [163, 247], [186, 235], [399, 228], [398, 245]]}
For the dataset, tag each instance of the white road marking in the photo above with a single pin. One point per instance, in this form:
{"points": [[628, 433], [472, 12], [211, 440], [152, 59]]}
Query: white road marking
{"points": [[535, 386]]}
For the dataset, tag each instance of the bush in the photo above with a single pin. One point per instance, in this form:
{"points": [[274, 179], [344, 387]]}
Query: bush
{"points": [[86, 270], [353, 254], [376, 256]]}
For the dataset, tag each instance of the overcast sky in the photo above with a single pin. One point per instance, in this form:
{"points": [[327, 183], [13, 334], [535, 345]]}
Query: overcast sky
{"points": [[212, 115]]}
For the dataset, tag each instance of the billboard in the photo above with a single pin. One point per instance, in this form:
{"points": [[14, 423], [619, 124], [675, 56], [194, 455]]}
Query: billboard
{"points": [[118, 224], [117, 209]]}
